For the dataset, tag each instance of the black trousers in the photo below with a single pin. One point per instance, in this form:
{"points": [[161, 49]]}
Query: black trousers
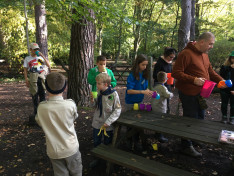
{"points": [[39, 96]]}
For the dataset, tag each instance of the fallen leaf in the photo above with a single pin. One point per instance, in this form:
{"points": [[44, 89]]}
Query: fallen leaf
{"points": [[214, 173]]}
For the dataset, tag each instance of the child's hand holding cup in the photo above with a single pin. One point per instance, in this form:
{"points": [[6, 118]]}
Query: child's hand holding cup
{"points": [[37, 53], [103, 69]]}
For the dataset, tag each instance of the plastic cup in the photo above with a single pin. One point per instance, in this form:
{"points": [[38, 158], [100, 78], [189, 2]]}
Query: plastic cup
{"points": [[37, 53], [158, 96], [207, 88], [142, 106], [155, 146], [135, 106], [220, 84], [170, 80], [228, 83], [94, 95], [154, 95], [148, 107]]}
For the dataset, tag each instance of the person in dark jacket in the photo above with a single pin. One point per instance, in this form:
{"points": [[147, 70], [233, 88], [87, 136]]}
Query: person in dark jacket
{"points": [[227, 94], [164, 64]]}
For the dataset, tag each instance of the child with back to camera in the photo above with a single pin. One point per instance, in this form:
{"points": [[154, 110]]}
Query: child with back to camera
{"points": [[56, 117], [107, 112]]}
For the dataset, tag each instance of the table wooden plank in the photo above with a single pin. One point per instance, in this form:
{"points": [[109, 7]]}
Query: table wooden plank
{"points": [[195, 129], [138, 163], [150, 115]]}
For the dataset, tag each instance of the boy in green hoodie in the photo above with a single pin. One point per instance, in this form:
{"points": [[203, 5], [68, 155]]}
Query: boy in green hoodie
{"points": [[100, 68]]}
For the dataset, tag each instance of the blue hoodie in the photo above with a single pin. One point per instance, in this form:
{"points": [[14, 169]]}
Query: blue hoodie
{"points": [[133, 84]]}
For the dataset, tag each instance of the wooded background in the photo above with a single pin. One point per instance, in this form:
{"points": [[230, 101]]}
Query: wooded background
{"points": [[73, 33]]}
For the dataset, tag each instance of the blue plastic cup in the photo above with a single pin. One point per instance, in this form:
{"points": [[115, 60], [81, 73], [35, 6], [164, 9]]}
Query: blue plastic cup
{"points": [[228, 83], [37, 53], [157, 96]]}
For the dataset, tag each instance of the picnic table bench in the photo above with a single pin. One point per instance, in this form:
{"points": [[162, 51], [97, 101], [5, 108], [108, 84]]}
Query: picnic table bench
{"points": [[183, 127]]}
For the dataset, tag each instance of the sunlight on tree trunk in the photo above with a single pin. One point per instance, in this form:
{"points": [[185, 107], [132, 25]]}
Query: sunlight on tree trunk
{"points": [[41, 26], [185, 23], [81, 59], [192, 28]]}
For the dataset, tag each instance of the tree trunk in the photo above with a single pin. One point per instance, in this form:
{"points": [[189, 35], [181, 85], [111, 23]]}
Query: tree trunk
{"points": [[197, 32], [26, 19], [185, 23], [192, 28], [41, 26], [81, 59], [119, 41], [99, 40], [174, 29]]}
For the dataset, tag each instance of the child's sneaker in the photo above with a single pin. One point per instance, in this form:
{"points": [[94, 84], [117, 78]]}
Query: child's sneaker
{"points": [[232, 121], [224, 120]]}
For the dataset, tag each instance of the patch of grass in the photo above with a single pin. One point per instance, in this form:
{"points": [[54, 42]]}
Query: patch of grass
{"points": [[85, 108], [10, 80]]}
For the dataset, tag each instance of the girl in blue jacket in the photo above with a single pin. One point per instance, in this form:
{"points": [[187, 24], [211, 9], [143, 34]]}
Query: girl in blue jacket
{"points": [[137, 87]]}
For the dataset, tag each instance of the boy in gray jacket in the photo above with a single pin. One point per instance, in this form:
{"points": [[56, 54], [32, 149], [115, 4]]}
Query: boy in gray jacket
{"points": [[107, 112], [160, 105]]}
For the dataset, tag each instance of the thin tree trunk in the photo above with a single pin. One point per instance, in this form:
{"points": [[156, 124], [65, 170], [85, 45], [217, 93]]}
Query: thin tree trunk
{"points": [[185, 24], [81, 59], [119, 41], [197, 11], [192, 28], [41, 27], [173, 33], [26, 19], [99, 40]]}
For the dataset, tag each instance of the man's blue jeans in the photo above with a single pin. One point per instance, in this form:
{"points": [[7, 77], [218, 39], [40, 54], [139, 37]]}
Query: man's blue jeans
{"points": [[191, 108], [98, 139]]}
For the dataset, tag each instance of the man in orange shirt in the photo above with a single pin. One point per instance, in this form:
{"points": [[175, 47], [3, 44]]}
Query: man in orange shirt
{"points": [[191, 69]]}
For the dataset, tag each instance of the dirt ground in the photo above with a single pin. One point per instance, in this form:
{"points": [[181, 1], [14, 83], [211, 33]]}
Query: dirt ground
{"points": [[23, 150]]}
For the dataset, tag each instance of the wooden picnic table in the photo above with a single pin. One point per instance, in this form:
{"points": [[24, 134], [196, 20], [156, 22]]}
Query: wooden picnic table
{"points": [[183, 127]]}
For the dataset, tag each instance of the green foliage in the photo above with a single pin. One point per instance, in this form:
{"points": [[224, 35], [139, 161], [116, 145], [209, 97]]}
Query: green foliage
{"points": [[13, 38], [59, 33], [220, 52]]}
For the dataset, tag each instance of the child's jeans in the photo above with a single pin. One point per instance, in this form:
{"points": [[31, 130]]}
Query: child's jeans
{"points": [[98, 139], [70, 166], [225, 98]]}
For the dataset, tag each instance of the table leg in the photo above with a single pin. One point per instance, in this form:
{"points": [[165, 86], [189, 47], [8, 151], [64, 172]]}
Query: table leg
{"points": [[108, 164]]}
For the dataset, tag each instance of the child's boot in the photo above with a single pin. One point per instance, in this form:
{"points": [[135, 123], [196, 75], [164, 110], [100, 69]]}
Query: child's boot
{"points": [[224, 119], [231, 120]]}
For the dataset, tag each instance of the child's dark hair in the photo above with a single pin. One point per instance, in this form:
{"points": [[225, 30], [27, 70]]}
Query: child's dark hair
{"points": [[135, 69], [168, 51], [101, 58], [228, 62], [161, 76]]}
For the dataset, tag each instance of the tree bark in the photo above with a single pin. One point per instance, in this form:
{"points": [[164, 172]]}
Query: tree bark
{"points": [[81, 59], [192, 28], [197, 11], [41, 26], [100, 39], [185, 24]]}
